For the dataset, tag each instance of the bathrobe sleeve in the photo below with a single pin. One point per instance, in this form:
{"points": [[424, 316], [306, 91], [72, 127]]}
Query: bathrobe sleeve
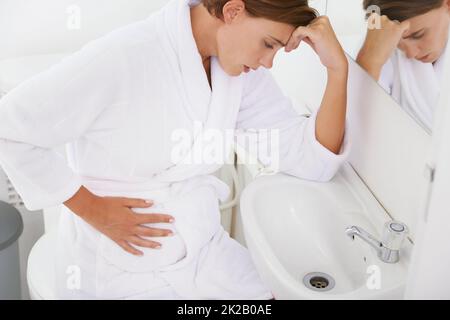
{"points": [[386, 80], [49, 110], [264, 106]]}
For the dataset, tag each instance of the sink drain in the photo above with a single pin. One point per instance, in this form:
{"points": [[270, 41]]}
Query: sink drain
{"points": [[319, 281]]}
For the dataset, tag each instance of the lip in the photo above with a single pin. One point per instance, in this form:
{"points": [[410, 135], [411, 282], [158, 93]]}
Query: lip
{"points": [[424, 57]]}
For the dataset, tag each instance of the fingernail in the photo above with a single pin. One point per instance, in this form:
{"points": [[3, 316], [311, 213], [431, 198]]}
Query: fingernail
{"points": [[148, 201], [170, 234], [158, 247], [171, 220]]}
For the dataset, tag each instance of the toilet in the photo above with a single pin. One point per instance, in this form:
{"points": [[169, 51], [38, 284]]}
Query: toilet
{"points": [[41, 268], [40, 274], [40, 265]]}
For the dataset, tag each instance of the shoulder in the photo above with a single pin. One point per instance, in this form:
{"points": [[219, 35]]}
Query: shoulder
{"points": [[138, 39]]}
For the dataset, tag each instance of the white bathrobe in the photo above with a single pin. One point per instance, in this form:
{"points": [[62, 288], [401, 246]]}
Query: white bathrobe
{"points": [[415, 85], [115, 104]]}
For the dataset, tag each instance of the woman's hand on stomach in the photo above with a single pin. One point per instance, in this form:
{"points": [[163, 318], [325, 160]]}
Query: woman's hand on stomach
{"points": [[114, 217]]}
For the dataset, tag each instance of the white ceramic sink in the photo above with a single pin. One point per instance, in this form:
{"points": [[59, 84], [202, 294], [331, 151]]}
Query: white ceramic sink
{"points": [[294, 227]]}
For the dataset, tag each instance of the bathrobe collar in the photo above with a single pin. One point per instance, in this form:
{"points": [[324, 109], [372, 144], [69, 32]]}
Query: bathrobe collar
{"points": [[178, 28], [420, 87], [439, 64], [217, 108], [191, 65]]}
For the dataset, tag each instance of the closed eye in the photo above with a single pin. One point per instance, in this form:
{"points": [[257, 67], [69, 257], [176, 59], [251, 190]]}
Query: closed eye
{"points": [[268, 45], [417, 37]]}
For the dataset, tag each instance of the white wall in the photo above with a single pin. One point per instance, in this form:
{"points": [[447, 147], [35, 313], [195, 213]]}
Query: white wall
{"points": [[346, 16], [301, 76], [31, 27]]}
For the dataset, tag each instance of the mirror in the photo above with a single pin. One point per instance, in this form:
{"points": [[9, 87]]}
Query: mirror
{"points": [[401, 45]]}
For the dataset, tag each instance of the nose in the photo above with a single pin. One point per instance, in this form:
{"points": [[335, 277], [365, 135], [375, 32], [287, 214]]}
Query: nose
{"points": [[411, 50], [267, 61]]}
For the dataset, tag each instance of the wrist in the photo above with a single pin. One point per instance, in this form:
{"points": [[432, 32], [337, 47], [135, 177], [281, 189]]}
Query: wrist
{"points": [[82, 202], [339, 72], [368, 61], [371, 67]]}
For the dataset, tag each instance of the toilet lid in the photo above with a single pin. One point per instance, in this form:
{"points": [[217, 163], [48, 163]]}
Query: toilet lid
{"points": [[11, 225], [41, 268]]}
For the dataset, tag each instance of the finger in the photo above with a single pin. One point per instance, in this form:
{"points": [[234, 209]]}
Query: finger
{"points": [[138, 241], [136, 203], [386, 18], [315, 21], [292, 45], [152, 232], [128, 248], [405, 25], [296, 38], [289, 43], [309, 42], [153, 218], [301, 39], [305, 32], [295, 45]]}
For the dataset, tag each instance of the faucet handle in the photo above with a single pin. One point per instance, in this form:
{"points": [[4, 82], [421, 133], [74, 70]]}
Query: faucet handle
{"points": [[394, 234]]}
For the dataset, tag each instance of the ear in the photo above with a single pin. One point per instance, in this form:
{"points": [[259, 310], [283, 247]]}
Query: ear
{"points": [[233, 9]]}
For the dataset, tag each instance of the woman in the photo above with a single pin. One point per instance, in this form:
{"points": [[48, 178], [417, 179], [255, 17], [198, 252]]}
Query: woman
{"points": [[413, 73], [117, 102]]}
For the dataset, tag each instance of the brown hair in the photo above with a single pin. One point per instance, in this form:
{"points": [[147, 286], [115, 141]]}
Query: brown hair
{"points": [[293, 12], [402, 10]]}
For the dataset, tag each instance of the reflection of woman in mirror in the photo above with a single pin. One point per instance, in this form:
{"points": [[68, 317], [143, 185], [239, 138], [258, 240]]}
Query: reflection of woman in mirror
{"points": [[412, 74]]}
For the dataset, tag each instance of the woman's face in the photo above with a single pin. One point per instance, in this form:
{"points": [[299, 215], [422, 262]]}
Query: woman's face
{"points": [[245, 43], [428, 34]]}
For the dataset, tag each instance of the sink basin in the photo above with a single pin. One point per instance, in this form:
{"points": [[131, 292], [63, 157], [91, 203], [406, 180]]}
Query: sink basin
{"points": [[295, 232]]}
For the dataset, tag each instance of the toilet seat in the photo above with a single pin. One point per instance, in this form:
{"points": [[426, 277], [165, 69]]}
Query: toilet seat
{"points": [[41, 269]]}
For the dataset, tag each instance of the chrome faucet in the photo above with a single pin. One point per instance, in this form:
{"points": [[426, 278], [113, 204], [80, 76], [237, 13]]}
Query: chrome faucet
{"points": [[388, 250]]}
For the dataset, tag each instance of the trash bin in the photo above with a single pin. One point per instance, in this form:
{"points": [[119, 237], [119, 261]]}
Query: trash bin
{"points": [[11, 227]]}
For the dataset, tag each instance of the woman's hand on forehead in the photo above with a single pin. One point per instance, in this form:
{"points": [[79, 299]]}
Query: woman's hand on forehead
{"points": [[320, 35]]}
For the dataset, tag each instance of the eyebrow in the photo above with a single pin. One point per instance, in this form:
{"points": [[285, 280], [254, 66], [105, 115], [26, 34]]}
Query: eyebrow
{"points": [[279, 41], [414, 34]]}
